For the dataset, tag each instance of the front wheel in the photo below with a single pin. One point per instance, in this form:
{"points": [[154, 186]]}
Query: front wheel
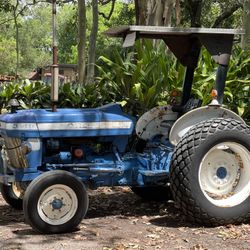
{"points": [[210, 172], [55, 202]]}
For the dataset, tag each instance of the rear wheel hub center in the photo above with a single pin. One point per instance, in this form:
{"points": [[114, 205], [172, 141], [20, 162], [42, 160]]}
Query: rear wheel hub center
{"points": [[221, 172]]}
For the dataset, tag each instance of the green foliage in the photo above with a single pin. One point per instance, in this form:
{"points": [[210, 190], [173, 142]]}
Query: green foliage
{"points": [[123, 14], [8, 91], [67, 29], [142, 79], [238, 84], [5, 6], [67, 34], [77, 96], [204, 78], [237, 90], [37, 95], [35, 39], [29, 94], [211, 9], [35, 35], [33, 94], [7, 55], [147, 77]]}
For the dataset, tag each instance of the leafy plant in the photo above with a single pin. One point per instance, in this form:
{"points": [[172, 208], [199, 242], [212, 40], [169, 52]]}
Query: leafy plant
{"points": [[77, 96], [238, 84], [33, 94], [8, 91], [142, 79], [148, 76]]}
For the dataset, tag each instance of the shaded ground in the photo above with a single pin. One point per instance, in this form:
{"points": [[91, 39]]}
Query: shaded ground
{"points": [[119, 220]]}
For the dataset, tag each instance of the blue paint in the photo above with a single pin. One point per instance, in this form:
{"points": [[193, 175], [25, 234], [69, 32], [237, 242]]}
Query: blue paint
{"points": [[65, 157], [108, 158], [221, 172], [34, 159], [108, 113], [57, 204]]}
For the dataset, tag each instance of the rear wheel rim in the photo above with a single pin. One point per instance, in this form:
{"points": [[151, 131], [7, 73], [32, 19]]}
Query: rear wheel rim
{"points": [[57, 204], [224, 174]]}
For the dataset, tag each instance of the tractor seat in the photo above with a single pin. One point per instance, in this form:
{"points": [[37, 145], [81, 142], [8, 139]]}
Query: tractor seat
{"points": [[191, 104]]}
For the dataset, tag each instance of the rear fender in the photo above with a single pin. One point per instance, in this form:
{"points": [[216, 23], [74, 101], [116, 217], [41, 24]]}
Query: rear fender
{"points": [[190, 119], [156, 121]]}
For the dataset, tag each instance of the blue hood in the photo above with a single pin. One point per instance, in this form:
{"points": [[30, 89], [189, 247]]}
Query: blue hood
{"points": [[108, 120]]}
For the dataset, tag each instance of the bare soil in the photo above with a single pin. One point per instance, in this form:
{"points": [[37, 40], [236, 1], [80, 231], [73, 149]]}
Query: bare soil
{"points": [[117, 220]]}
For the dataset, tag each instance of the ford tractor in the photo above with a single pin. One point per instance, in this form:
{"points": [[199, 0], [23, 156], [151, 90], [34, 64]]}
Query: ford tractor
{"points": [[50, 158]]}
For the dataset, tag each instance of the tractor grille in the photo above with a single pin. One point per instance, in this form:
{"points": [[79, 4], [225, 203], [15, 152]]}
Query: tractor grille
{"points": [[17, 158]]}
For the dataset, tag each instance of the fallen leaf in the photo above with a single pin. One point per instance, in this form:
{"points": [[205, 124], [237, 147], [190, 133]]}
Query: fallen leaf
{"points": [[198, 247], [153, 236]]}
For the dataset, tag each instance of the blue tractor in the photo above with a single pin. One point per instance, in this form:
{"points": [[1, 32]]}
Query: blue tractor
{"points": [[50, 158]]}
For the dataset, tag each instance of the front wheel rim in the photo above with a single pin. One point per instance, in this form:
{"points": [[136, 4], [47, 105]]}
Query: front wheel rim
{"points": [[224, 174], [57, 204]]}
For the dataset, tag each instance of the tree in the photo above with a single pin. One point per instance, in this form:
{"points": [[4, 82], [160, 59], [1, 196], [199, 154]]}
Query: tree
{"points": [[81, 41], [67, 33], [35, 39], [17, 9], [246, 26], [82, 25], [194, 8], [210, 13], [7, 55], [226, 13], [157, 12], [92, 43], [141, 11], [34, 32]]}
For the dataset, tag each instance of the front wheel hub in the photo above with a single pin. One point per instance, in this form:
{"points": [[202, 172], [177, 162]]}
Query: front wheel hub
{"points": [[57, 204]]}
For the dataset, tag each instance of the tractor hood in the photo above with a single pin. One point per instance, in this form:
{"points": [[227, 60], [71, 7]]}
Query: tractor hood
{"points": [[107, 120]]}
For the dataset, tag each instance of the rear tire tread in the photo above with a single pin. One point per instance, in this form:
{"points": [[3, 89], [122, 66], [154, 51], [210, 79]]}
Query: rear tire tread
{"points": [[181, 164]]}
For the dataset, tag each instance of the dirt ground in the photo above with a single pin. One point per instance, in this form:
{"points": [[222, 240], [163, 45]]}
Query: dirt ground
{"points": [[118, 220]]}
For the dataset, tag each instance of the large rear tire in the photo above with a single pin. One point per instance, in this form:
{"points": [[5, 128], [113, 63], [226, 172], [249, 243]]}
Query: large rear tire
{"points": [[55, 202], [210, 172]]}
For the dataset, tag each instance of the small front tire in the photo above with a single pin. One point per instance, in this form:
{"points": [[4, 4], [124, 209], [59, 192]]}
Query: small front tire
{"points": [[55, 202], [10, 197]]}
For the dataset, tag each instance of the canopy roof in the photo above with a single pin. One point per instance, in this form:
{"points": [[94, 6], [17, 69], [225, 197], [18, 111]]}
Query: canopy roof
{"points": [[183, 42]]}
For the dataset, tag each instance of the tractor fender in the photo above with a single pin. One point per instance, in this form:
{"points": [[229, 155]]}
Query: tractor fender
{"points": [[157, 121], [191, 118]]}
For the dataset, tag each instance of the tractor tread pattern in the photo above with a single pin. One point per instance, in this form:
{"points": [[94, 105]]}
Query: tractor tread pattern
{"points": [[180, 183]]}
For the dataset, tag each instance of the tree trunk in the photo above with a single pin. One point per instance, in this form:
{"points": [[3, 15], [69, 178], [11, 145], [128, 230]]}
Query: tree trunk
{"points": [[141, 11], [92, 43], [158, 12], [17, 47], [16, 38], [169, 8], [81, 41], [178, 12], [246, 26], [194, 7]]}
